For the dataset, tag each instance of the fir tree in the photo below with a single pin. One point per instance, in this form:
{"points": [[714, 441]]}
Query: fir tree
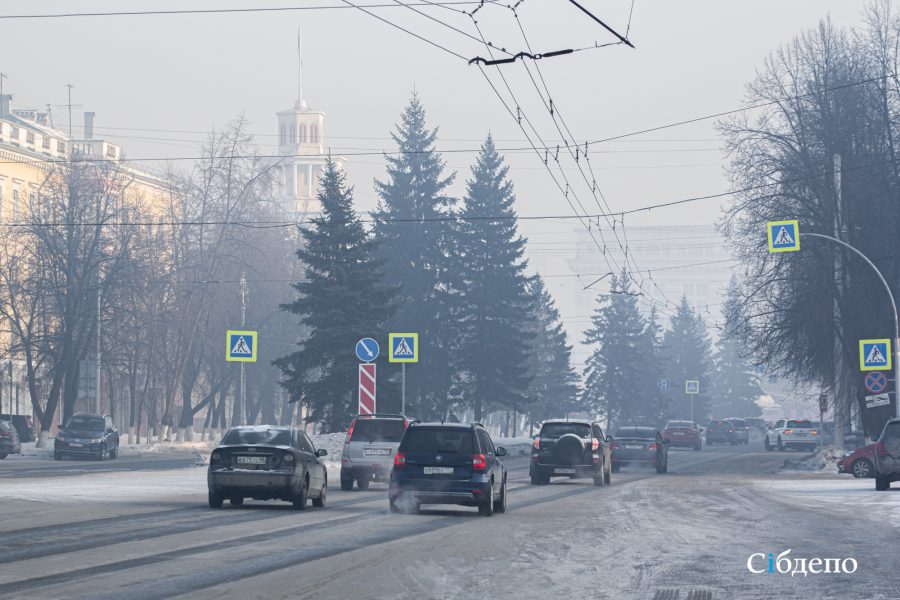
{"points": [[688, 358], [655, 371], [494, 340], [553, 391], [415, 237], [735, 385], [616, 381], [341, 299]]}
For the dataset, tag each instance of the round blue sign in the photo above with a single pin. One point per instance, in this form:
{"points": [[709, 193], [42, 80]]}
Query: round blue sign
{"points": [[367, 349]]}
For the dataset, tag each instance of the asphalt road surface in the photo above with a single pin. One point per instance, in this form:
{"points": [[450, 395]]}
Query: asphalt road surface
{"points": [[147, 534]]}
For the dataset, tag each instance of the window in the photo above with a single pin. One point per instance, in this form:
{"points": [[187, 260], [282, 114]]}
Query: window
{"points": [[486, 445], [15, 204], [315, 134], [303, 134], [14, 134], [378, 430], [29, 137], [60, 146], [293, 135], [281, 139], [46, 143], [110, 151], [1, 203]]}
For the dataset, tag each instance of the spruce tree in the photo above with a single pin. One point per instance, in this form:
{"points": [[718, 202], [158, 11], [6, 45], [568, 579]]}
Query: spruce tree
{"points": [[688, 358], [342, 298], [655, 369], [616, 382], [494, 338], [553, 390], [734, 383], [416, 241]]}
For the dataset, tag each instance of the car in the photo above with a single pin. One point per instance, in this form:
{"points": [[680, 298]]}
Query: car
{"points": [[887, 455], [741, 430], [369, 449], [635, 445], [859, 462], [758, 427], [720, 431], [684, 434], [267, 462], [9, 440], [570, 448], [87, 435], [23, 425], [448, 463], [791, 433]]}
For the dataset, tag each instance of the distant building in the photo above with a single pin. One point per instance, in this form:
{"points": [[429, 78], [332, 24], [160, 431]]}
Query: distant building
{"points": [[302, 152]]}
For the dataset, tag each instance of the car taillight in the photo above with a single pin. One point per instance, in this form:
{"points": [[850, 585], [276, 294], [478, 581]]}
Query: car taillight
{"points": [[728, 431], [350, 431], [880, 450], [479, 462], [215, 457], [595, 444], [536, 443], [789, 431], [812, 431], [400, 460], [405, 424], [652, 446]]}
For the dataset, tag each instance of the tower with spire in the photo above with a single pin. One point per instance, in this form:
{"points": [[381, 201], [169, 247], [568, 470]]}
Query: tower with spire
{"points": [[301, 149]]}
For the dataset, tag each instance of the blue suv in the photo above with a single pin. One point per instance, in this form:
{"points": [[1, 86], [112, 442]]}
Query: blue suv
{"points": [[448, 463]]}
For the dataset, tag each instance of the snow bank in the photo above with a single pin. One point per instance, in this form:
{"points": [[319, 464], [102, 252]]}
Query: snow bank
{"points": [[29, 451], [822, 461]]}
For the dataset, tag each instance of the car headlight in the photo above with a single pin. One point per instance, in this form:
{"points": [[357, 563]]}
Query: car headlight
{"points": [[97, 441], [848, 453]]}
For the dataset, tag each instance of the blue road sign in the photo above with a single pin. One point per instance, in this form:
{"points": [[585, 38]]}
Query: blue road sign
{"points": [[784, 236], [241, 346], [404, 347], [367, 350], [875, 355]]}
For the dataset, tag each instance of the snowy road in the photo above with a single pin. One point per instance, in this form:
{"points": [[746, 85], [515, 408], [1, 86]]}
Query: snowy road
{"points": [[148, 534]]}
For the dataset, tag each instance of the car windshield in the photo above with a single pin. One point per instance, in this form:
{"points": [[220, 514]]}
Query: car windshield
{"points": [[636, 432], [718, 425], [557, 430], [805, 424], [85, 424], [438, 440], [679, 425], [258, 436], [378, 430], [737, 422]]}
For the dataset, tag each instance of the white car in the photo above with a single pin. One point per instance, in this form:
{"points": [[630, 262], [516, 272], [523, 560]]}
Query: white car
{"points": [[792, 433]]}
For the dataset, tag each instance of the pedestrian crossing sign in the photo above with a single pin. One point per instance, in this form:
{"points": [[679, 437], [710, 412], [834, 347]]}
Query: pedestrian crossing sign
{"points": [[875, 355], [784, 236], [240, 346], [404, 347]]}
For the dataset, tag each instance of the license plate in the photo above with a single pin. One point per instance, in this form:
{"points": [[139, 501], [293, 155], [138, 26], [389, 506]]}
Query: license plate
{"points": [[800, 433], [438, 470], [251, 460], [376, 451], [563, 470], [677, 433], [76, 445], [633, 447]]}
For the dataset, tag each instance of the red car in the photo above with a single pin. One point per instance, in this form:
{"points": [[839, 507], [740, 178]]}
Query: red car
{"points": [[860, 462], [685, 434]]}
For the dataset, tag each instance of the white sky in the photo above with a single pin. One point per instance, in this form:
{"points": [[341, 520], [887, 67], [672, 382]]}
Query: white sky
{"points": [[194, 72]]}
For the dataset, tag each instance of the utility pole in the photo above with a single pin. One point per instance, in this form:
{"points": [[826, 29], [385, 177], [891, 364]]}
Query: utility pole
{"points": [[838, 385], [97, 393], [70, 86], [242, 416]]}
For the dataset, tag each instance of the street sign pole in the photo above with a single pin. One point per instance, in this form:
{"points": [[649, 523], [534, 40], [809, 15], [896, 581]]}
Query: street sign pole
{"points": [[242, 418], [403, 389]]}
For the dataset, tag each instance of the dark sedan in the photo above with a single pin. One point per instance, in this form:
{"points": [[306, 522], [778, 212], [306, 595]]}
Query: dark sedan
{"points": [[640, 446], [266, 462], [721, 431], [87, 435], [9, 439]]}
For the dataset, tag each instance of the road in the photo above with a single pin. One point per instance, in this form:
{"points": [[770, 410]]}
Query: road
{"points": [[147, 534]]}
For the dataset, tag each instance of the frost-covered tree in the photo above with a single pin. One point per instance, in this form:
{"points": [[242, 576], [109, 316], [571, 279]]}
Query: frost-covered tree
{"points": [[688, 358], [735, 386]]}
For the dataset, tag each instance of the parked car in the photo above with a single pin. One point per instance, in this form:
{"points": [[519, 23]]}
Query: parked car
{"points": [[9, 440], [570, 448], [683, 434], [369, 449], [720, 431], [860, 462], [448, 463], [87, 435], [640, 446], [24, 426], [791, 433], [887, 455], [267, 462], [741, 430]]}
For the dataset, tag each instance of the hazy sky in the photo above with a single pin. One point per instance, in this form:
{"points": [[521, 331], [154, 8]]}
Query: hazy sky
{"points": [[157, 82]]}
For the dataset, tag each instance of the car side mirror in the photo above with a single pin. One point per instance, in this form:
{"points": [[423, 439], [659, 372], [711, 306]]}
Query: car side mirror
{"points": [[666, 442], [321, 452], [609, 439], [501, 451]]}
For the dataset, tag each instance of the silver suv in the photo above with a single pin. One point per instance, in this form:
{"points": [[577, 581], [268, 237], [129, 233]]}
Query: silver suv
{"points": [[887, 455], [369, 449]]}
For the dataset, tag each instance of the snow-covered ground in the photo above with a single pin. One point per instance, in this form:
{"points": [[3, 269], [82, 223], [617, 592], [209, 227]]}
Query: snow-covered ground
{"points": [[821, 461]]}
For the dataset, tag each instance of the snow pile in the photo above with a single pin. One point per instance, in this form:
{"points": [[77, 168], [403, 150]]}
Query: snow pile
{"points": [[29, 450], [515, 447], [823, 460]]}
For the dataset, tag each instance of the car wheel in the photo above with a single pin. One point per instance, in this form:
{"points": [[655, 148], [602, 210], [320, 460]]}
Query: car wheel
{"points": [[615, 468], [102, 454], [114, 453], [215, 499], [486, 508], [598, 479], [57, 456], [861, 468], [607, 475], [780, 445], [346, 482], [500, 503], [320, 501], [697, 447], [665, 468], [362, 482], [659, 467], [767, 445], [882, 483], [299, 501], [394, 507], [236, 500], [2, 455]]}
